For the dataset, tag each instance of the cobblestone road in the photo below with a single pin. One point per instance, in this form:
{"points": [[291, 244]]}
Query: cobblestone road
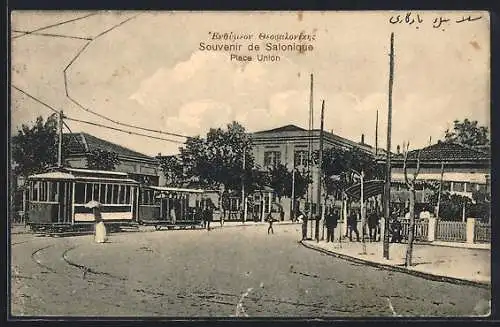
{"points": [[225, 272]]}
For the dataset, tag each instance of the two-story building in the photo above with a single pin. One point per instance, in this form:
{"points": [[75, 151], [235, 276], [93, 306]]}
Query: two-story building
{"points": [[290, 146]]}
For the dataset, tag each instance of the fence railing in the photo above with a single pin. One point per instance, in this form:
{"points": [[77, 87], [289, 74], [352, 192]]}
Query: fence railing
{"points": [[421, 229], [454, 231], [482, 233]]}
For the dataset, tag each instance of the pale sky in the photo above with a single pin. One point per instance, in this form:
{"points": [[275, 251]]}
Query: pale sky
{"points": [[149, 72]]}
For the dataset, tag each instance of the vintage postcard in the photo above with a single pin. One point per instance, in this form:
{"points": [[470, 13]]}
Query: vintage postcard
{"points": [[249, 164]]}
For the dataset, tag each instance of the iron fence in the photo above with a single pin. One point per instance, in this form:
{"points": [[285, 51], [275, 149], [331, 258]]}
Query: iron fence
{"points": [[451, 231]]}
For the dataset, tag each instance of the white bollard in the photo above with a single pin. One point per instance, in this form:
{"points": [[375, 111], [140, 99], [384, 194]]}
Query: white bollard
{"points": [[471, 222], [431, 234]]}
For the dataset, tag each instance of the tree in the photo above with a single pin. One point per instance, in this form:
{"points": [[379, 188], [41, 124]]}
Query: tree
{"points": [[35, 148], [173, 170], [410, 183], [467, 133], [281, 179], [102, 160], [218, 159]]}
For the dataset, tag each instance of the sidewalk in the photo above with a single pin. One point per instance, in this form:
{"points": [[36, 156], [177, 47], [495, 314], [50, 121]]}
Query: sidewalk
{"points": [[443, 263], [216, 224]]}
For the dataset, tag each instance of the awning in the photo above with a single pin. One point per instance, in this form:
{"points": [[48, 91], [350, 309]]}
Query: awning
{"points": [[370, 188]]}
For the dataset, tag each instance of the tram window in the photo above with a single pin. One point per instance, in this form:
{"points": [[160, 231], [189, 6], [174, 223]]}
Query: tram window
{"points": [[115, 194], [80, 193], [109, 190], [127, 194], [36, 191], [121, 197], [52, 191], [95, 192], [41, 196], [102, 193], [88, 192]]}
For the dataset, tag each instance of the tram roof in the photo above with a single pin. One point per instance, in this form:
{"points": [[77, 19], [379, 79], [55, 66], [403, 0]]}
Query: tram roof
{"points": [[96, 172], [176, 189], [63, 175]]}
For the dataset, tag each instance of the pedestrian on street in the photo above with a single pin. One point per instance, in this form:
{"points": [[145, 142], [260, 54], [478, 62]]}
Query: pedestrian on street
{"points": [[331, 223], [373, 221], [302, 216], [100, 228], [270, 220], [209, 213], [396, 230], [352, 223]]}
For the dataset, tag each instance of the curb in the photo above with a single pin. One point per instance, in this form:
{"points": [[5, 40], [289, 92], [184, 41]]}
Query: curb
{"points": [[420, 274]]}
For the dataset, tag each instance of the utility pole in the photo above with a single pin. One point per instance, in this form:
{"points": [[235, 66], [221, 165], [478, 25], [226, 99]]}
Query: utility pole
{"points": [[309, 159], [363, 214], [376, 135], [440, 189], [387, 191], [59, 150], [320, 170], [243, 202], [292, 214]]}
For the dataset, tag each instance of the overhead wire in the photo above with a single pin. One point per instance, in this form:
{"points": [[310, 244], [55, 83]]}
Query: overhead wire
{"points": [[53, 35], [91, 123], [53, 25], [122, 130], [77, 103]]}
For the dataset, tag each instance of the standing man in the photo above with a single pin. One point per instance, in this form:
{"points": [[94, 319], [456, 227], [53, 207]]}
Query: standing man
{"points": [[270, 220], [209, 213], [331, 224], [372, 225], [304, 224], [352, 223], [334, 222]]}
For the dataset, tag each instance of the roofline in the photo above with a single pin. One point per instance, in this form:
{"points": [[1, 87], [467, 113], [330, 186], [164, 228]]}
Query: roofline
{"points": [[87, 149], [151, 160], [90, 171]]}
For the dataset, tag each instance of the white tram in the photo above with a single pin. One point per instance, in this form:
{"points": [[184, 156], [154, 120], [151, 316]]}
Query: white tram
{"points": [[56, 200]]}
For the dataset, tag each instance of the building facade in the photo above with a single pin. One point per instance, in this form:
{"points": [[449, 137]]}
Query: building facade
{"points": [[139, 166], [464, 170], [289, 145]]}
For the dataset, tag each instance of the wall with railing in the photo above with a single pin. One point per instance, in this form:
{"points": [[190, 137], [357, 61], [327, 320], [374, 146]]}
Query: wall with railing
{"points": [[451, 231], [435, 230], [482, 233], [421, 231]]}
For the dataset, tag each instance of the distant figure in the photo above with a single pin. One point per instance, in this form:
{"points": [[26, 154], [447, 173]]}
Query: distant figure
{"points": [[302, 216], [270, 220], [100, 228], [209, 214], [331, 222], [172, 215], [352, 223], [396, 230], [425, 214], [373, 224]]}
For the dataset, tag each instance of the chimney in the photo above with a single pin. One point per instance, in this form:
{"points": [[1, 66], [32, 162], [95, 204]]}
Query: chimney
{"points": [[398, 149], [362, 138]]}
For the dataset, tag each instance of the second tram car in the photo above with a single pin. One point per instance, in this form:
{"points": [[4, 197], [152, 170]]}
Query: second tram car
{"points": [[170, 207]]}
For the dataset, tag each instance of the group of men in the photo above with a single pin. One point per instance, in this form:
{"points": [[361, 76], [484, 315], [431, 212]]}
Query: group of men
{"points": [[332, 218]]}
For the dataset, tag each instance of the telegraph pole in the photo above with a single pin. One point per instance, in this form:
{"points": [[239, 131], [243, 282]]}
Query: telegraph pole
{"points": [[376, 135], [320, 169], [387, 191], [440, 189], [292, 214], [309, 159], [59, 149], [243, 202]]}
